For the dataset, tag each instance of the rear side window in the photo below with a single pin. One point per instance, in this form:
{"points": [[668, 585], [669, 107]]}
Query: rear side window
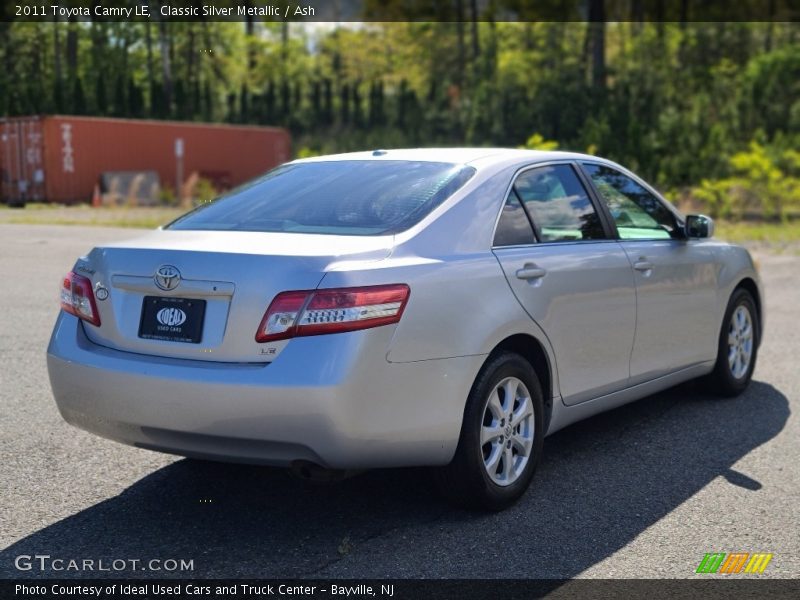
{"points": [[347, 197], [513, 228], [558, 204]]}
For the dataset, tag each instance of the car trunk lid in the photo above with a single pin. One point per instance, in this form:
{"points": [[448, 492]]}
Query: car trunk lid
{"points": [[208, 290]]}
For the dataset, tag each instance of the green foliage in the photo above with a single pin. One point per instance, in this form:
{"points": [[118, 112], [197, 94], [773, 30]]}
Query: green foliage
{"points": [[764, 182], [167, 197], [771, 90], [717, 198], [204, 191], [537, 142], [306, 152]]}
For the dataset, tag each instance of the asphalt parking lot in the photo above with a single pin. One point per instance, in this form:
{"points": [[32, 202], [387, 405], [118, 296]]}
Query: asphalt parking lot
{"points": [[644, 491]]}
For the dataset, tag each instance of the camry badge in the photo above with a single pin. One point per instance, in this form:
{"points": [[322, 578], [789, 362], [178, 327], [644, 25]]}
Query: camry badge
{"points": [[167, 277]]}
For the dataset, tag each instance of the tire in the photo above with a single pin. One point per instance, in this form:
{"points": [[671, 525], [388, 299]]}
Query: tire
{"points": [[481, 476], [737, 346]]}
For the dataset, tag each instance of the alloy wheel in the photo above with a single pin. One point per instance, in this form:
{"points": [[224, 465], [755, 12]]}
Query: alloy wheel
{"points": [[740, 341], [507, 431]]}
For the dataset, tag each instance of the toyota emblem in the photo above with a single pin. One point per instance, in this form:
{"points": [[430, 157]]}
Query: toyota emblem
{"points": [[167, 277]]}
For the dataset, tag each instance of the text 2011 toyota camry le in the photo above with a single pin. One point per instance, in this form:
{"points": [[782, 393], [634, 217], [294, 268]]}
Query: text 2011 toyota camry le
{"points": [[444, 307]]}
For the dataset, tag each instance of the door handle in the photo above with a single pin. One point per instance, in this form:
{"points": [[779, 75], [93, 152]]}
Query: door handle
{"points": [[643, 265], [531, 271]]}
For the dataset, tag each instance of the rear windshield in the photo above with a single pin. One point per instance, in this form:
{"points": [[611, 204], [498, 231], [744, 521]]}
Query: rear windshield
{"points": [[354, 197]]}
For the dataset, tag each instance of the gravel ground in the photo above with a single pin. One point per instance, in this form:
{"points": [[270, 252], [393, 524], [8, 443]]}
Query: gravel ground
{"points": [[643, 491]]}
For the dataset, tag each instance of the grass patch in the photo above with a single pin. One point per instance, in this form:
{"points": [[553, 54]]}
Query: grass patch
{"points": [[124, 216], [770, 233]]}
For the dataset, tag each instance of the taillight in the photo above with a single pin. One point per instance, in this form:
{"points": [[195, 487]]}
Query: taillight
{"points": [[293, 314], [281, 316], [77, 298]]}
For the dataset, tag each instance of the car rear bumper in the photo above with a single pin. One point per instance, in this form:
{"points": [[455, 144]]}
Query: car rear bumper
{"points": [[333, 400]]}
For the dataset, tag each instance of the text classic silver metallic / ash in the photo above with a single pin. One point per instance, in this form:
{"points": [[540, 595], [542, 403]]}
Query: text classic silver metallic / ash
{"points": [[440, 307]]}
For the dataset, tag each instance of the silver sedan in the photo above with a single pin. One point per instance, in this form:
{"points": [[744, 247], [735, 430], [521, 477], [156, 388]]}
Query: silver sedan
{"points": [[445, 307]]}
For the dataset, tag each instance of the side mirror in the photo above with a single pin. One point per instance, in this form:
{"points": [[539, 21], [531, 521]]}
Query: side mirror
{"points": [[699, 226]]}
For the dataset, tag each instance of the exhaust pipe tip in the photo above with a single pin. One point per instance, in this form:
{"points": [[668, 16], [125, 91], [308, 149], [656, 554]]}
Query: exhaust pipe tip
{"points": [[311, 472]]}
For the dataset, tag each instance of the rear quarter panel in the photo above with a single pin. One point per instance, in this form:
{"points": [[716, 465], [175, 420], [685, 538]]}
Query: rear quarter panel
{"points": [[460, 302]]}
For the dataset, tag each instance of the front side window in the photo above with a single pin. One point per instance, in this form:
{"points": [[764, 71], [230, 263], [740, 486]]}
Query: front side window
{"points": [[345, 197], [558, 204], [638, 213]]}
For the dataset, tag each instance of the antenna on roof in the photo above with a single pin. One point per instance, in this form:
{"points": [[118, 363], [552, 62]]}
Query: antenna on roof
{"points": [[378, 152]]}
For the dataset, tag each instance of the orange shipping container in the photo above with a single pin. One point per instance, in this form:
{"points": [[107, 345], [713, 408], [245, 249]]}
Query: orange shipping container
{"points": [[61, 158]]}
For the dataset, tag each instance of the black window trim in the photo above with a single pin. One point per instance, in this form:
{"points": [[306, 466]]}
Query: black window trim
{"points": [[680, 220], [609, 230], [537, 233]]}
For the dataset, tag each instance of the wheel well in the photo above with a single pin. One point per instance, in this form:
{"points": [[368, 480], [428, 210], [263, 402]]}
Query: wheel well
{"points": [[750, 285], [532, 350]]}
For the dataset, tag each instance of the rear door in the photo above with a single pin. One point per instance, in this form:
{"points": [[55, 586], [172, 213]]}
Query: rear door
{"points": [[676, 278], [573, 279]]}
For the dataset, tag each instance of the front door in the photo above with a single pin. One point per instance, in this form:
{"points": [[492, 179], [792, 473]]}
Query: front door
{"points": [[676, 278]]}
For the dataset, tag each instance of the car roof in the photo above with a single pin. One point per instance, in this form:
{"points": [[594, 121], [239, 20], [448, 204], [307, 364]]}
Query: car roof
{"points": [[485, 156]]}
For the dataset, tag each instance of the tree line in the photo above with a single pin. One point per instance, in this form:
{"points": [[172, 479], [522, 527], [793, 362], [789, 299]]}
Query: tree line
{"points": [[674, 101]]}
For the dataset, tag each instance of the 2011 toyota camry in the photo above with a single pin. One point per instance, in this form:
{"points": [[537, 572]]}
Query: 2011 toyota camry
{"points": [[444, 307]]}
